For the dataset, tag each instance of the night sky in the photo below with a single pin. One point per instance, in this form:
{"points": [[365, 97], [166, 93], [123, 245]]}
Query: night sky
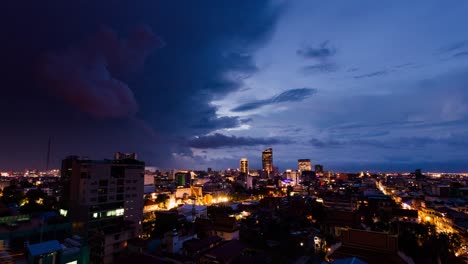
{"points": [[352, 85]]}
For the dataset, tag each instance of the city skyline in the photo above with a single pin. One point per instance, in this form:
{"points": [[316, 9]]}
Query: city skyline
{"points": [[351, 86]]}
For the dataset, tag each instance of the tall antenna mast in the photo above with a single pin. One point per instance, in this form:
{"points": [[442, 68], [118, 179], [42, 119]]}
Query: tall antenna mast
{"points": [[48, 155]]}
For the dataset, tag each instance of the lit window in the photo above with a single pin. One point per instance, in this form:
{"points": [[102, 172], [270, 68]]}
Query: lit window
{"points": [[95, 215], [119, 212]]}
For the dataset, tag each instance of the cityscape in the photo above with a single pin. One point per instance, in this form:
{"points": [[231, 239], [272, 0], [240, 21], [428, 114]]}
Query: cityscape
{"points": [[119, 210], [225, 132]]}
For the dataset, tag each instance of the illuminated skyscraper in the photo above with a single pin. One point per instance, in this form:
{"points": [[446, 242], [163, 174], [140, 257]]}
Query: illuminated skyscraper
{"points": [[244, 165], [267, 160], [304, 165]]}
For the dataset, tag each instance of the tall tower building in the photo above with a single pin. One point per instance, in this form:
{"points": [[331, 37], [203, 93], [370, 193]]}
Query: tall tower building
{"points": [[304, 165], [244, 165], [267, 160], [105, 202]]}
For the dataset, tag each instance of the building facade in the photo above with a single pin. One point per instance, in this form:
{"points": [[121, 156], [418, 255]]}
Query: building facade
{"points": [[105, 202], [304, 165], [244, 165], [267, 161], [123, 156]]}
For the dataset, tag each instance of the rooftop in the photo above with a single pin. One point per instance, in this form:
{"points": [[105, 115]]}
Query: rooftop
{"points": [[44, 247], [367, 256], [227, 251]]}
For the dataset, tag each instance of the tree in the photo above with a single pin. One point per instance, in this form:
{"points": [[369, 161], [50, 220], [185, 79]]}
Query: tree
{"points": [[289, 190], [12, 196], [35, 201], [35, 195], [161, 198]]}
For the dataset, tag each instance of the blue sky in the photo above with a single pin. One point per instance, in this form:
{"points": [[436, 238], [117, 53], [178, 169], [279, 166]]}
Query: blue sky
{"points": [[351, 85]]}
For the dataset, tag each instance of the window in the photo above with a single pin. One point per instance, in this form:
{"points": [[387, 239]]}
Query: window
{"points": [[102, 199], [118, 172], [103, 183]]}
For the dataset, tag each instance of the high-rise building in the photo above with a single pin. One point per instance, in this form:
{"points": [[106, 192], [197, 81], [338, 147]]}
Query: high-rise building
{"points": [[418, 174], [105, 202], [267, 160], [244, 165], [304, 165], [318, 168]]}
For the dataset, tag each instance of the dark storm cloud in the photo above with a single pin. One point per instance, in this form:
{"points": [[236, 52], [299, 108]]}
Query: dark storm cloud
{"points": [[86, 76], [325, 67], [322, 51], [219, 140], [372, 74], [207, 56], [293, 95]]}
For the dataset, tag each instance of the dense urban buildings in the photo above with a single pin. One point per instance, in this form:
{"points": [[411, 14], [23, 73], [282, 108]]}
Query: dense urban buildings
{"points": [[118, 210]]}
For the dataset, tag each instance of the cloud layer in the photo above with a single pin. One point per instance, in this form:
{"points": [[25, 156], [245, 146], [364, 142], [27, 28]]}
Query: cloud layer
{"points": [[146, 100], [218, 140], [293, 95], [86, 76], [322, 51]]}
